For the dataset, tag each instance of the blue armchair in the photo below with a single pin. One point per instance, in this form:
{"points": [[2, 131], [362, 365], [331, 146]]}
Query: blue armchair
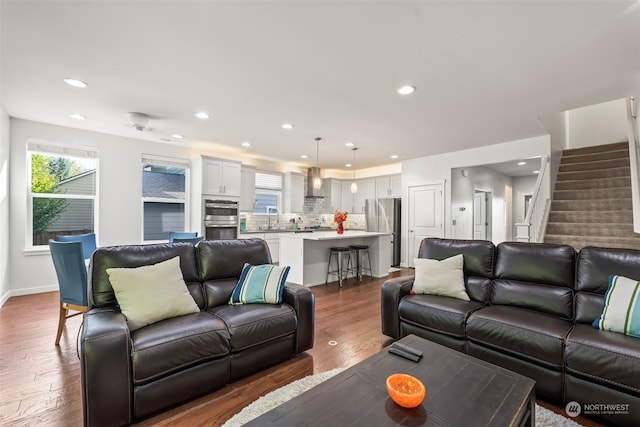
{"points": [[69, 264], [88, 242], [182, 235]]}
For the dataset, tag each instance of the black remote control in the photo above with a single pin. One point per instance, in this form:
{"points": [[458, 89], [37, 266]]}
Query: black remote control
{"points": [[404, 354], [407, 349]]}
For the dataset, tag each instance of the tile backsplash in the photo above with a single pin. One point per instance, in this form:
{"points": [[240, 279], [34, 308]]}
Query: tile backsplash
{"points": [[313, 214]]}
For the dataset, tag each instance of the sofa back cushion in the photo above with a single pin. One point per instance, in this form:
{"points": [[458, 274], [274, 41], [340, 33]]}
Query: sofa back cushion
{"points": [[593, 270], [221, 263], [478, 261], [536, 276], [100, 290]]}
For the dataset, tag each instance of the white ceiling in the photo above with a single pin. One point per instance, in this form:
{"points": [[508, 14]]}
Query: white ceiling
{"points": [[486, 72]]}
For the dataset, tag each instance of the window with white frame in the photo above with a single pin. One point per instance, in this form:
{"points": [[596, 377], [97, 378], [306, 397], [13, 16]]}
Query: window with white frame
{"points": [[164, 197], [268, 192], [62, 198]]}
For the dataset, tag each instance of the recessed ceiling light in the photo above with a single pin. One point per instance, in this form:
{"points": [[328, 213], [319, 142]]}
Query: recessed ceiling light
{"points": [[406, 90], [536, 172], [349, 144], [203, 115], [287, 126], [77, 116], [246, 144], [522, 163], [75, 82], [304, 156], [177, 136], [394, 156], [348, 165]]}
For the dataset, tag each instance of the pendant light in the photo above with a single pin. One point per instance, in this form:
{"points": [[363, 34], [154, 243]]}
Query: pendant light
{"points": [[354, 186], [317, 181]]}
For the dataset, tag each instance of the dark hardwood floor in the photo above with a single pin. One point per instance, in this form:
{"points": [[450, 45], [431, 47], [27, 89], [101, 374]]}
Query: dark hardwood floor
{"points": [[40, 383]]}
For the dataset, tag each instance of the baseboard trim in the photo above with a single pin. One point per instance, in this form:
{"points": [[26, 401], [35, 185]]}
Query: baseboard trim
{"points": [[27, 291], [5, 298]]}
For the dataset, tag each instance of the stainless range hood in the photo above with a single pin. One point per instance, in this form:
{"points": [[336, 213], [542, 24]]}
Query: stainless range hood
{"points": [[313, 193]]}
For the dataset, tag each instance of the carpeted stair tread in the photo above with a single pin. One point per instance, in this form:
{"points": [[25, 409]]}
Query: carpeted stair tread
{"points": [[596, 205], [592, 216], [595, 173], [590, 229], [592, 157], [586, 184], [593, 194], [596, 149], [595, 165], [579, 242]]}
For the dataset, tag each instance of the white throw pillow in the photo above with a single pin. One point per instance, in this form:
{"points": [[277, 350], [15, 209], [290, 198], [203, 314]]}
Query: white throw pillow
{"points": [[440, 277], [151, 293]]}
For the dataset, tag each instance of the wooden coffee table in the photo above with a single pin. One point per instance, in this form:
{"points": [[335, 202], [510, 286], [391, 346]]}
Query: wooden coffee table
{"points": [[461, 391]]}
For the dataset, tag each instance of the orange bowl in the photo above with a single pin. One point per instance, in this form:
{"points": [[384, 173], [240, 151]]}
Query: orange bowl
{"points": [[405, 390]]}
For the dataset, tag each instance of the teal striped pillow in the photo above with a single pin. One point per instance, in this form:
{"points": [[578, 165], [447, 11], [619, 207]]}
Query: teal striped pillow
{"points": [[260, 284], [621, 311]]}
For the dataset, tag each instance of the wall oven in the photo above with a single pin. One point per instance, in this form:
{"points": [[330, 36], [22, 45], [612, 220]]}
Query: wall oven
{"points": [[220, 219]]}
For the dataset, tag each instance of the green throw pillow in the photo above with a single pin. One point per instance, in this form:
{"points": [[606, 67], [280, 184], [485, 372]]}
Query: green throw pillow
{"points": [[444, 278], [621, 312], [151, 293], [260, 284]]}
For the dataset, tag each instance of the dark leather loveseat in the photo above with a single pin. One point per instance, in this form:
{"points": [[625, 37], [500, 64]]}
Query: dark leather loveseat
{"points": [[127, 374], [531, 308]]}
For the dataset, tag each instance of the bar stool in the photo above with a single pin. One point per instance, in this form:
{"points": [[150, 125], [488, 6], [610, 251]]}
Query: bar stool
{"points": [[360, 252], [341, 272]]}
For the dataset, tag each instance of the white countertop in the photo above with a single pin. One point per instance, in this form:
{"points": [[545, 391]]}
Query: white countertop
{"points": [[332, 235]]}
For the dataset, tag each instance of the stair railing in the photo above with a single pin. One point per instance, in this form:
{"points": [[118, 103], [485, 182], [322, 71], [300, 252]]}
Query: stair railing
{"points": [[535, 221], [634, 159]]}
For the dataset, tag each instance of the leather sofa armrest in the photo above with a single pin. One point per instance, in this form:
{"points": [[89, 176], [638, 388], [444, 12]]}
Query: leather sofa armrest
{"points": [[303, 302], [393, 290], [105, 368]]}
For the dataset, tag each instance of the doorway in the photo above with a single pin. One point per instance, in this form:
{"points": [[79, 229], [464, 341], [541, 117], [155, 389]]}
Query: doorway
{"points": [[482, 202], [426, 213]]}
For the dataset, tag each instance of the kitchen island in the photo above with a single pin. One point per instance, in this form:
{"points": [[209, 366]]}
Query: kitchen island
{"points": [[308, 253]]}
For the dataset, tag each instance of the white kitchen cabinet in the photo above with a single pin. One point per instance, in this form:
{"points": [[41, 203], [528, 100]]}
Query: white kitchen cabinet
{"points": [[388, 186], [347, 197], [293, 192], [366, 190], [332, 195], [273, 242], [221, 177], [248, 185]]}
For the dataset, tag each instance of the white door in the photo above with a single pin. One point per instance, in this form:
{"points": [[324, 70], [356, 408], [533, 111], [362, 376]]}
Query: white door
{"points": [[426, 212], [480, 216]]}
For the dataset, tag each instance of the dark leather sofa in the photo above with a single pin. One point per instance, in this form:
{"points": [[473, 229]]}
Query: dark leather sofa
{"points": [[127, 375], [531, 310]]}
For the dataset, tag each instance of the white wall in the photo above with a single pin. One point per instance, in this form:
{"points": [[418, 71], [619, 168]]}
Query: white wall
{"points": [[437, 169], [598, 124], [5, 231], [522, 186]]}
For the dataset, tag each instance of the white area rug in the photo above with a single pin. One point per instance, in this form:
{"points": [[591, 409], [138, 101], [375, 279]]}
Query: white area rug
{"points": [[544, 417]]}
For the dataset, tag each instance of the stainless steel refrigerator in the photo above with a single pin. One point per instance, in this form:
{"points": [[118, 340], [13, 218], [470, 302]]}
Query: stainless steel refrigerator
{"points": [[383, 215]]}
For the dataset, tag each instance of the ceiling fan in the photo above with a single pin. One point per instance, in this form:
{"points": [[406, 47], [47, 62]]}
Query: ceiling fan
{"points": [[139, 121]]}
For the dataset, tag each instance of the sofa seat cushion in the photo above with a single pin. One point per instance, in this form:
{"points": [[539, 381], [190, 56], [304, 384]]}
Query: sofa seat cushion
{"points": [[522, 333], [177, 343], [254, 324], [608, 358], [437, 313]]}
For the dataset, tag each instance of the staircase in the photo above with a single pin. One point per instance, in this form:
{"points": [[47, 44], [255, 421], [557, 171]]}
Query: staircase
{"points": [[591, 203]]}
